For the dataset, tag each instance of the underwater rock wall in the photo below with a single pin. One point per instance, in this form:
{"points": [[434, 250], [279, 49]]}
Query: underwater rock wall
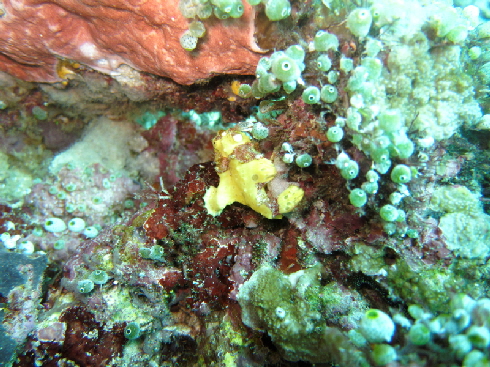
{"points": [[332, 208], [36, 38]]}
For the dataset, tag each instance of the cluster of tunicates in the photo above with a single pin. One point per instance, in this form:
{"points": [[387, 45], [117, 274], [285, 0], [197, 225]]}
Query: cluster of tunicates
{"points": [[302, 160], [57, 225], [96, 277], [223, 9], [190, 37]]}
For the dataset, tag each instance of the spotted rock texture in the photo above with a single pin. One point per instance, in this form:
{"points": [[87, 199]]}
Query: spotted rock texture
{"points": [[105, 34]]}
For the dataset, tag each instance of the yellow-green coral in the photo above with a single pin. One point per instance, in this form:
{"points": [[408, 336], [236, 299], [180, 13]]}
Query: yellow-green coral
{"points": [[454, 199], [465, 227], [289, 308]]}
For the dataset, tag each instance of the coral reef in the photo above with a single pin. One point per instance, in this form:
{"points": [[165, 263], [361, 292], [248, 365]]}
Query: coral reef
{"points": [[244, 183]]}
